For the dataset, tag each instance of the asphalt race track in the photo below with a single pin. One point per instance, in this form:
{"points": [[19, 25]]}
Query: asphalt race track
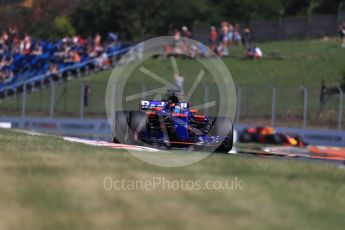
{"points": [[323, 153]]}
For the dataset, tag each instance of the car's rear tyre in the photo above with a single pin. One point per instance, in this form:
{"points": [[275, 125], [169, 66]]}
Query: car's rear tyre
{"points": [[137, 124], [128, 125], [120, 130], [223, 127], [246, 137], [137, 121]]}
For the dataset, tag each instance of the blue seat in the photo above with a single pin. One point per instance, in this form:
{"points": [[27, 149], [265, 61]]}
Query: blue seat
{"points": [[26, 67]]}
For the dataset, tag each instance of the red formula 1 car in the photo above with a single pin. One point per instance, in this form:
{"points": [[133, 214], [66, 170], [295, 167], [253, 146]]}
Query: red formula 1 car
{"points": [[267, 135]]}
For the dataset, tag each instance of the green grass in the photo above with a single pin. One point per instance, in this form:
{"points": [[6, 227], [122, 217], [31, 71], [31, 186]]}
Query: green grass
{"points": [[288, 64], [48, 183]]}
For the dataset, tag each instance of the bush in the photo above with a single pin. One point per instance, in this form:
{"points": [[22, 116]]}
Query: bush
{"points": [[63, 27]]}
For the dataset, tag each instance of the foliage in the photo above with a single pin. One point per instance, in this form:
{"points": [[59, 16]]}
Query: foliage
{"points": [[136, 19], [63, 27]]}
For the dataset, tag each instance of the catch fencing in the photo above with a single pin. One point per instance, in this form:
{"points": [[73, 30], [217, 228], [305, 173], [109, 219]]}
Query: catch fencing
{"points": [[286, 28], [297, 107]]}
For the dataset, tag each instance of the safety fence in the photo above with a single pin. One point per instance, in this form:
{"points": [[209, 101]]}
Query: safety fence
{"points": [[298, 107], [290, 106], [285, 28], [100, 129]]}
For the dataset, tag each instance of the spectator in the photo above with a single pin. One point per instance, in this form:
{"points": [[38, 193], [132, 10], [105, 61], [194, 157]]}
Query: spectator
{"points": [[112, 42], [177, 44], [212, 38], [237, 35], [222, 50], [139, 51], [53, 69], [185, 32], [12, 32], [179, 81], [89, 45], [102, 61], [230, 34], [68, 56], [6, 75], [5, 37], [323, 92], [25, 45], [253, 53], [113, 38], [2, 48], [76, 57], [185, 43], [97, 45], [193, 51], [37, 49], [167, 50], [224, 29], [17, 53], [202, 50], [342, 34], [77, 40], [246, 38]]}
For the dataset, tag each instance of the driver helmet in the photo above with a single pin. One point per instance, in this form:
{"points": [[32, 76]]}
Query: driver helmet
{"points": [[173, 104], [173, 100]]}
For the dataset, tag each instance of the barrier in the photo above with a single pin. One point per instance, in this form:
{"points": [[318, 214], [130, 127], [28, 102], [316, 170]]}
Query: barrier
{"points": [[99, 129]]}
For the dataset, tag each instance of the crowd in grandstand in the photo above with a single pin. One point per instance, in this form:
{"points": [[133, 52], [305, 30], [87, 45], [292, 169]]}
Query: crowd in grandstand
{"points": [[219, 41], [23, 56]]}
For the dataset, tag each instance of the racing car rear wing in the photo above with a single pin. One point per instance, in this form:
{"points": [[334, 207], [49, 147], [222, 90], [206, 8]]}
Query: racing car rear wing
{"points": [[147, 105]]}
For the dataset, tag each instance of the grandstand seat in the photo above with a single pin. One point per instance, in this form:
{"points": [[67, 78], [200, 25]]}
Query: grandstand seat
{"points": [[31, 69]]}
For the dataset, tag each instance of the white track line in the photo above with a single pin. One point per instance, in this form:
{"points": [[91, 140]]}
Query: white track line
{"points": [[110, 145]]}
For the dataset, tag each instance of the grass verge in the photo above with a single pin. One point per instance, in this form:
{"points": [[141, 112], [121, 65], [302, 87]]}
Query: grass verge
{"points": [[48, 183]]}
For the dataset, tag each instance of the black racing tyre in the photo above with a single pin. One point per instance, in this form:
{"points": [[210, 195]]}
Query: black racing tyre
{"points": [[246, 137], [137, 121], [120, 130], [223, 127], [220, 127], [276, 139]]}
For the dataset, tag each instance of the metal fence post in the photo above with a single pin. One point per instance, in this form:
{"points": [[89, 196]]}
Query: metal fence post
{"points": [[305, 105], [238, 104], [60, 76], [143, 90], [86, 70], [112, 108], [340, 115], [82, 89], [24, 101], [69, 75], [52, 98], [273, 111], [206, 98], [113, 58]]}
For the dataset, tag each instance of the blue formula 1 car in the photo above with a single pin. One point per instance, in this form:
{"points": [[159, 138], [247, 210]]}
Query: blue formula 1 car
{"points": [[171, 124]]}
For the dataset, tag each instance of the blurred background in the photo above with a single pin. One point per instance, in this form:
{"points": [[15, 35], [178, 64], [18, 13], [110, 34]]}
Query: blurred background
{"points": [[286, 56], [287, 61]]}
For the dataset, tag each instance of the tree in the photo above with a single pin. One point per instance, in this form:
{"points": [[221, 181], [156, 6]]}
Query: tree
{"points": [[131, 19], [63, 27]]}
